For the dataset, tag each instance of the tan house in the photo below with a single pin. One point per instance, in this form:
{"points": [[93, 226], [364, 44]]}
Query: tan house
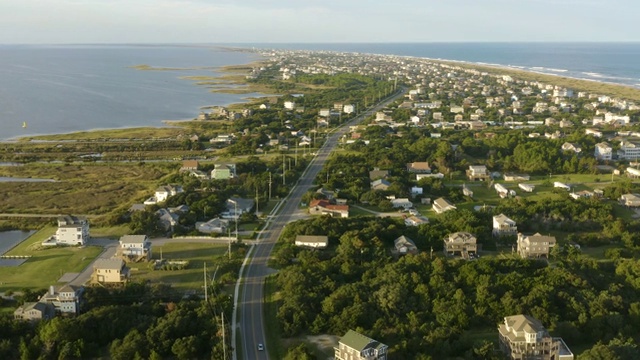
{"points": [[535, 246], [189, 165], [502, 225], [461, 244], [477, 173], [523, 337], [419, 167], [355, 346], [441, 205], [313, 241], [34, 311], [110, 271]]}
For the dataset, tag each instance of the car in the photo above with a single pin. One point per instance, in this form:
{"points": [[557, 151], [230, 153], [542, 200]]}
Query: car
{"points": [[260, 347]]}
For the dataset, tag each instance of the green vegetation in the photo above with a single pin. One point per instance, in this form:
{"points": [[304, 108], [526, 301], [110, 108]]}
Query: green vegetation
{"points": [[45, 265], [272, 330], [437, 307], [83, 189], [191, 278]]}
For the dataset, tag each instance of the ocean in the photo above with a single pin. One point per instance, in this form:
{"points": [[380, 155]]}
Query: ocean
{"points": [[60, 89]]}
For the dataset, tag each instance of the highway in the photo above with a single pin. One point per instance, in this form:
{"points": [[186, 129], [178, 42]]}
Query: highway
{"points": [[252, 326]]}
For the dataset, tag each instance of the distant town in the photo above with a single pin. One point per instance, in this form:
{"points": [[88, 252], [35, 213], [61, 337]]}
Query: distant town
{"points": [[375, 207]]}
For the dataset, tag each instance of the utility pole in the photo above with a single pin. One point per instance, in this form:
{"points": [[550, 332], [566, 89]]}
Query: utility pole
{"points": [[224, 345], [257, 200], [269, 186], [284, 170], [206, 297]]}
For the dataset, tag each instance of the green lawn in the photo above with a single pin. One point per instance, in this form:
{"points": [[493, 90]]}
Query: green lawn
{"points": [[28, 246], [46, 266], [114, 232], [188, 279]]}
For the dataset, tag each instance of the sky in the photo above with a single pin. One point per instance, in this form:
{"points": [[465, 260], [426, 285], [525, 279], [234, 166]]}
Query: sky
{"points": [[315, 21]]}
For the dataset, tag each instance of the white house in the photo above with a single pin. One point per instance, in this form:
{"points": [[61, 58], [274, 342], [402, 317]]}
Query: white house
{"points": [[72, 230], [527, 187], [628, 151], [558, 184], [349, 108], [163, 193], [502, 225], [237, 207], [402, 203], [415, 220], [290, 105], [603, 151], [217, 225], [313, 241], [416, 190], [135, 247]]}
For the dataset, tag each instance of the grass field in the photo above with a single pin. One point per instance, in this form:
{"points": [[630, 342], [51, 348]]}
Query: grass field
{"points": [[46, 265], [94, 189], [188, 279]]}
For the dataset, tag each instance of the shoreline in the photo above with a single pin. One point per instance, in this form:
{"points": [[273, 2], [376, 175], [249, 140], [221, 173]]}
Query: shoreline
{"points": [[232, 76]]}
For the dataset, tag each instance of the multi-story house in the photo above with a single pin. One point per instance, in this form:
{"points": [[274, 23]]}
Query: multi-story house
{"points": [[535, 246], [34, 311], [461, 244], [628, 151], [603, 151], [502, 225], [355, 346], [477, 173], [65, 300], [523, 337], [135, 247], [110, 271], [72, 230], [163, 193], [223, 171]]}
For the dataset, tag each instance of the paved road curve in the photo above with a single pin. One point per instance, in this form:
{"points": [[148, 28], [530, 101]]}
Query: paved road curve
{"points": [[252, 327]]}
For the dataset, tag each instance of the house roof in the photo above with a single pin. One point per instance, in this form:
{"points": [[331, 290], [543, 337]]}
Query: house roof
{"points": [[380, 182], [112, 264], [312, 239], [133, 239], [190, 164], [442, 203], [375, 174], [359, 342], [245, 204], [42, 307], [419, 165], [502, 219], [404, 241], [537, 238], [526, 323], [463, 237]]}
